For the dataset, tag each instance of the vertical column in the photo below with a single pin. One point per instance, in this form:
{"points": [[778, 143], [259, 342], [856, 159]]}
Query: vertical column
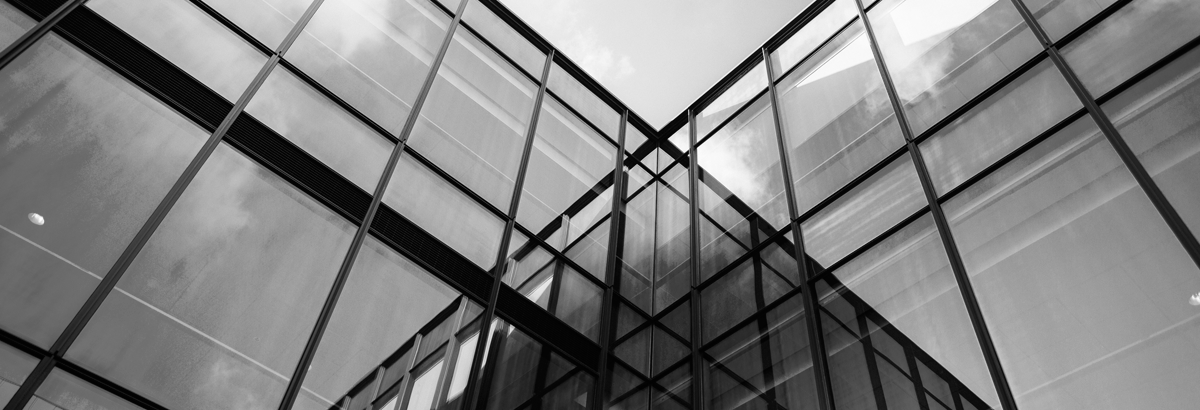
{"points": [[615, 241], [982, 333], [694, 192], [812, 319]]}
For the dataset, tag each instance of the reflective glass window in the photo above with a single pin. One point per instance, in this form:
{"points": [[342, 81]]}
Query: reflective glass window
{"points": [[475, 119], [836, 117], [188, 37], [634, 138], [85, 158], [15, 366], [942, 53], [424, 389], [1131, 39], [672, 242], [680, 140], [374, 54], [1084, 288], [764, 364], [450, 215], [319, 127], [738, 94], [578, 303], [62, 391], [214, 311], [502, 36], [267, 20], [813, 34], [1059, 17], [568, 161], [583, 100], [1006, 120], [636, 258], [386, 300], [13, 24], [1160, 119], [747, 288], [879, 203], [523, 368]]}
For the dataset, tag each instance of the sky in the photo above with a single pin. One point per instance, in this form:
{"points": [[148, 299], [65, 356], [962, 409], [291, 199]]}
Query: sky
{"points": [[657, 56]]}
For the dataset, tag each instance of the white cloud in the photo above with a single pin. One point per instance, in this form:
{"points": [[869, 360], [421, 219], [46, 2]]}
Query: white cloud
{"points": [[566, 28]]}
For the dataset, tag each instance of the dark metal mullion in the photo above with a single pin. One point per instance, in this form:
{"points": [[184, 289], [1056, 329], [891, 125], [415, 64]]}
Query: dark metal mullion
{"points": [[1182, 232], [579, 115], [975, 102], [694, 214], [1087, 25], [36, 32], [853, 183], [812, 322], [608, 313], [450, 179], [477, 387], [502, 54], [732, 116], [337, 100], [559, 256], [869, 355], [23, 394], [764, 328], [1148, 71], [451, 356], [974, 311], [360, 236], [915, 377], [763, 245], [816, 49], [231, 26]]}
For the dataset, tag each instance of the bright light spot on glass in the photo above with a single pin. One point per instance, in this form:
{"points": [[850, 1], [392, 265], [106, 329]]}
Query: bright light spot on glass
{"points": [[1195, 300], [36, 219]]}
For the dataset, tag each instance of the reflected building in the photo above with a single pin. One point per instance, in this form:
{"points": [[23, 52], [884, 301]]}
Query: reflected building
{"points": [[423, 204]]}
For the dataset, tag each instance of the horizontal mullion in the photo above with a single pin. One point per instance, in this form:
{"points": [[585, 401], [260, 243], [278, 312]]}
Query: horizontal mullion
{"points": [[1148, 71], [1090, 23], [578, 115], [854, 183], [818, 48], [502, 54], [338, 101], [745, 106], [229, 24], [412, 152], [548, 329]]}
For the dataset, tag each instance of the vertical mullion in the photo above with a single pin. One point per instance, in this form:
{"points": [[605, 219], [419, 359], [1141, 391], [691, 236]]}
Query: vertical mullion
{"points": [[32, 382], [615, 239], [473, 391], [450, 358], [982, 334], [38, 31], [816, 342], [694, 291], [1128, 157], [869, 355], [360, 236]]}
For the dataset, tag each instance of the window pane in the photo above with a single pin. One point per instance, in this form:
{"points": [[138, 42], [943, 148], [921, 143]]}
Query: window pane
{"points": [[746, 88], [1059, 17], [942, 53], [188, 37], [450, 215], [813, 34], [375, 54], [574, 94], [325, 131], [579, 303], [772, 357], [462, 367], [1014, 115], [424, 390], [517, 359], [214, 311], [1130, 40], [85, 157], [637, 255], [748, 288], [62, 391], [1159, 119], [836, 116], [1084, 288], [13, 24], [882, 201], [568, 160], [475, 119], [673, 243], [500, 34], [15, 366], [267, 20], [634, 138], [387, 299]]}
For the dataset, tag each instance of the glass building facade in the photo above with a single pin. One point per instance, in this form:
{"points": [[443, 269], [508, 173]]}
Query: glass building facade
{"points": [[422, 204]]}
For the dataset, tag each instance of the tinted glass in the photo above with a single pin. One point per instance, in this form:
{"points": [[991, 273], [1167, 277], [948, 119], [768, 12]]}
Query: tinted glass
{"points": [[501, 35], [214, 311], [1059, 17], [672, 257], [765, 364], [813, 34], [66, 392], [836, 116], [746, 289], [1133, 38], [375, 54], [637, 255], [1160, 119], [267, 20], [475, 119], [571, 91], [188, 37], [942, 53], [523, 368], [15, 366], [1079, 278], [13, 24], [85, 157]]}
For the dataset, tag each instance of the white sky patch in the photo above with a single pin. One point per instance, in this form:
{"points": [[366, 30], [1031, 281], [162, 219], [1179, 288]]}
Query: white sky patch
{"points": [[584, 48], [917, 20]]}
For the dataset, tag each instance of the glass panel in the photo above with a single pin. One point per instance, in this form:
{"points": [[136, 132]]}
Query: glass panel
{"points": [[267, 20], [62, 391], [475, 119], [375, 54], [85, 157], [1130, 40], [637, 255], [591, 251], [523, 367], [424, 390], [634, 138], [462, 367], [635, 351], [767, 361], [574, 94], [813, 34], [316, 125], [501, 35], [836, 116], [569, 395], [386, 300], [214, 311], [13, 24], [568, 161], [942, 53], [579, 303], [1008, 119], [889, 196], [1085, 289], [748, 288], [15, 366], [1059, 17], [1158, 117], [673, 243], [444, 211], [679, 139], [905, 285], [185, 35], [742, 91], [742, 195]]}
